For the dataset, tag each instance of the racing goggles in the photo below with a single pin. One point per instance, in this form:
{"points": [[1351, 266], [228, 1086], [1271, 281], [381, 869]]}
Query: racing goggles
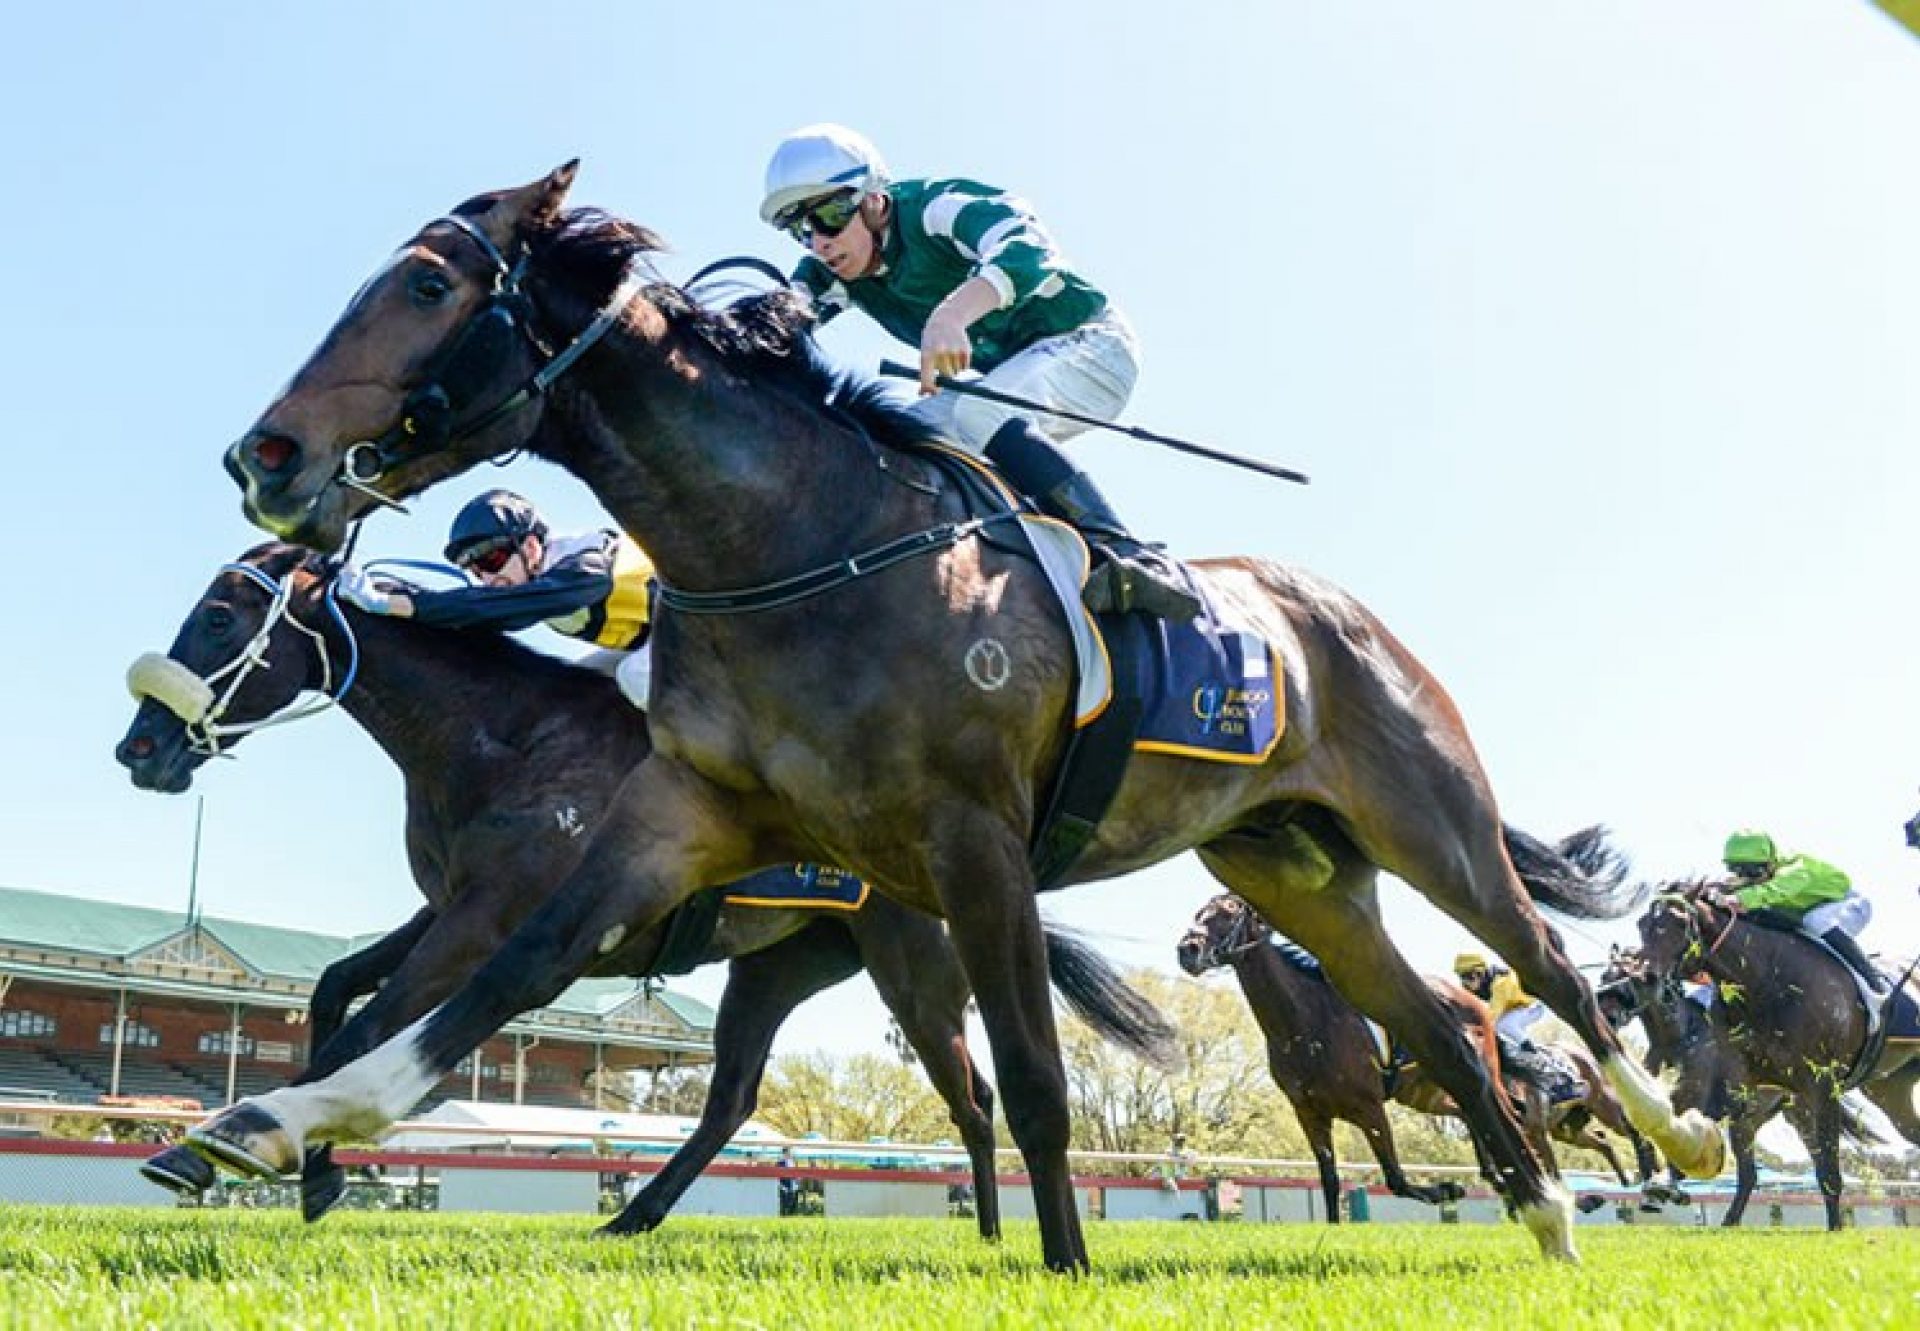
{"points": [[820, 217]]}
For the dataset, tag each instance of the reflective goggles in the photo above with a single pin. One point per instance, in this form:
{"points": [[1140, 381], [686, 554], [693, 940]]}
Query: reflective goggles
{"points": [[820, 217], [489, 557]]}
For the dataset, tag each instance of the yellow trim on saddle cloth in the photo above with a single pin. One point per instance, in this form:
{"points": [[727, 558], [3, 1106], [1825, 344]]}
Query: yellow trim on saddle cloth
{"points": [[1242, 759], [803, 903]]}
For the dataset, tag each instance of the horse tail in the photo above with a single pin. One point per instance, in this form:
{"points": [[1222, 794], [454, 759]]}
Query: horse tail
{"points": [[1583, 877], [1095, 993], [1855, 1127]]}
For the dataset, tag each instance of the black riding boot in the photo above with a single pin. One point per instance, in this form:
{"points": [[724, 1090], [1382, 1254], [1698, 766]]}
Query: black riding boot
{"points": [[1132, 577], [1849, 949]]}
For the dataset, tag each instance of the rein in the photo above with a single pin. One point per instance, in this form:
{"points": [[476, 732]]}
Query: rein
{"points": [[193, 700], [827, 577], [427, 423]]}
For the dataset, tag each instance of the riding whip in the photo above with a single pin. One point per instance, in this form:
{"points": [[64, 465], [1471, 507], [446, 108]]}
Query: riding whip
{"points": [[971, 389]]}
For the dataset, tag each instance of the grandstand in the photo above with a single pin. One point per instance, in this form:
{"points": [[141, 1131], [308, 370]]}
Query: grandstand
{"points": [[102, 1002]]}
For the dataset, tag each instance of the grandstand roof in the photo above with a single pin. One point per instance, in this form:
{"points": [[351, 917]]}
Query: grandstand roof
{"points": [[76, 939]]}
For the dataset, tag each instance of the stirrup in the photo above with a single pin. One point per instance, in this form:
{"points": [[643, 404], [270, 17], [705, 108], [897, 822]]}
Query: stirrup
{"points": [[1123, 585]]}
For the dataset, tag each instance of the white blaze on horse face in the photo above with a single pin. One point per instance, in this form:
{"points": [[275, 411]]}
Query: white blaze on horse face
{"points": [[988, 665]]}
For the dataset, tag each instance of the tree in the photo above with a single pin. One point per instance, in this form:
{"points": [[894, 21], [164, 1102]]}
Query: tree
{"points": [[1222, 1100], [851, 1099]]}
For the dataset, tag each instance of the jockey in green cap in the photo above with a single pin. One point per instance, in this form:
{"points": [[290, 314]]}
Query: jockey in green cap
{"points": [[1819, 899]]}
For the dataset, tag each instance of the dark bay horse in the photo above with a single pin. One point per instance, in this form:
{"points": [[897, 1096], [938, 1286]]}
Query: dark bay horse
{"points": [[1711, 1074], [1324, 1056], [508, 757], [793, 527], [1792, 1014]]}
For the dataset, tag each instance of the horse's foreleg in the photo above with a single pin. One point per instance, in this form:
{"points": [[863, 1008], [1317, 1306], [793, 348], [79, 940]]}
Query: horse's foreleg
{"points": [[1816, 1113], [913, 965], [986, 892], [1319, 1133], [359, 973], [1373, 1123], [649, 855], [1741, 1130], [763, 989]]}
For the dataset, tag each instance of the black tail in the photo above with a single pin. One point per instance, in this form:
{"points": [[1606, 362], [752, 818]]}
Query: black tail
{"points": [[1860, 1134], [1117, 1013], [1583, 876]]}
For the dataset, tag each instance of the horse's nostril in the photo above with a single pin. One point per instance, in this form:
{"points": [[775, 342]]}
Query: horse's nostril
{"points": [[275, 452], [137, 749]]}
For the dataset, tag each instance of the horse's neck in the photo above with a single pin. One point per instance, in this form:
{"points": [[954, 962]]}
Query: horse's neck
{"points": [[417, 706], [423, 698], [1285, 1000], [724, 482]]}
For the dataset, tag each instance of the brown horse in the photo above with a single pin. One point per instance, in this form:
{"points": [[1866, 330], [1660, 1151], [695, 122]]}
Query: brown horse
{"points": [[1324, 1056], [1791, 1013], [506, 754], [793, 526]]}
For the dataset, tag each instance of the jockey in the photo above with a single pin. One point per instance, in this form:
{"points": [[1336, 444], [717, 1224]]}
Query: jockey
{"points": [[1514, 1009], [1817, 898], [968, 274], [596, 586]]}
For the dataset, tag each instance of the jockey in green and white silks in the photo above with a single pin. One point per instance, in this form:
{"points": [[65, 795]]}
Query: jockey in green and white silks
{"points": [[968, 274], [1820, 899]]}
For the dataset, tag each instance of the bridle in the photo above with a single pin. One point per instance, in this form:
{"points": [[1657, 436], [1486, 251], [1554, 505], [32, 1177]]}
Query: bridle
{"points": [[440, 411], [1241, 937], [192, 697]]}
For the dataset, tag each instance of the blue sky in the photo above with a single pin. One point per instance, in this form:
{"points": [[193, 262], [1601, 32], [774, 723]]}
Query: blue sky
{"points": [[1595, 326]]}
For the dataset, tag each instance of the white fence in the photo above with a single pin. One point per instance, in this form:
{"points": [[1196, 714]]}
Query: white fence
{"points": [[572, 1180]]}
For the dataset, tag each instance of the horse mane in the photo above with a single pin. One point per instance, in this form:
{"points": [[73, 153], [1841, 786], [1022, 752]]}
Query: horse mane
{"points": [[766, 337]]}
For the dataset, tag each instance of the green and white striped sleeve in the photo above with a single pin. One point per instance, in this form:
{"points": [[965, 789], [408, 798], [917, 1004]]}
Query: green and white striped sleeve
{"points": [[1006, 243], [816, 282]]}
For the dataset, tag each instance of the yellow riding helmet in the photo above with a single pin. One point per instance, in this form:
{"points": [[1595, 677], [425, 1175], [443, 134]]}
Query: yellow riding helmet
{"points": [[1469, 961]]}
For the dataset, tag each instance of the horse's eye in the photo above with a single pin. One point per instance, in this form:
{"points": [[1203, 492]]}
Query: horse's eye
{"points": [[429, 288], [219, 621]]}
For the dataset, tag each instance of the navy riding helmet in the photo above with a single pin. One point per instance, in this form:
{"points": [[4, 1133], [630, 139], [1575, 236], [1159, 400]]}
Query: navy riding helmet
{"points": [[496, 516]]}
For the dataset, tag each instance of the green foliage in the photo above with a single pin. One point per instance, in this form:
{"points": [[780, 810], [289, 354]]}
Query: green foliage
{"points": [[851, 1099], [98, 1268]]}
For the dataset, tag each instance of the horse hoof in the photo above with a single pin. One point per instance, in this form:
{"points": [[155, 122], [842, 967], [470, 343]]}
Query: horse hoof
{"points": [[1590, 1202], [321, 1190], [247, 1140], [1708, 1156], [179, 1170]]}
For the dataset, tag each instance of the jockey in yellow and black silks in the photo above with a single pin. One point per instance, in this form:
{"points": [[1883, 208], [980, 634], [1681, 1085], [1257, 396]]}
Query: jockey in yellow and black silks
{"points": [[595, 586]]}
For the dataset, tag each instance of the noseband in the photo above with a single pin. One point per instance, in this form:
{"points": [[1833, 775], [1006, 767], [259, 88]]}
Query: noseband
{"points": [[192, 698], [430, 416]]}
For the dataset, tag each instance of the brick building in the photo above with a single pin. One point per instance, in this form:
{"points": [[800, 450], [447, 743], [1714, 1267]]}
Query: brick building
{"points": [[100, 1000]]}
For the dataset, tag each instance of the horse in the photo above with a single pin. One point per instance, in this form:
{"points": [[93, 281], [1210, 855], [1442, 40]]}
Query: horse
{"points": [[795, 518], [507, 755], [1790, 1012], [1325, 1059]]}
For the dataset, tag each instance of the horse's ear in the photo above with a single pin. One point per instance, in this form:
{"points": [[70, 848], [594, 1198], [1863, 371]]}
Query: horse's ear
{"points": [[532, 207]]}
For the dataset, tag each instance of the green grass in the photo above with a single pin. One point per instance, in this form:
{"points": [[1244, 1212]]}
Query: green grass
{"points": [[104, 1268]]}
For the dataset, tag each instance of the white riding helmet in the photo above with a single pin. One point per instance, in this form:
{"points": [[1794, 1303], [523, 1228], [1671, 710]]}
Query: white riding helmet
{"points": [[820, 160]]}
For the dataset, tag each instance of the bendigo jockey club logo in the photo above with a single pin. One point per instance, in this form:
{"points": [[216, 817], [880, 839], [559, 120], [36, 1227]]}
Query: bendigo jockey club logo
{"points": [[1229, 711], [988, 664]]}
